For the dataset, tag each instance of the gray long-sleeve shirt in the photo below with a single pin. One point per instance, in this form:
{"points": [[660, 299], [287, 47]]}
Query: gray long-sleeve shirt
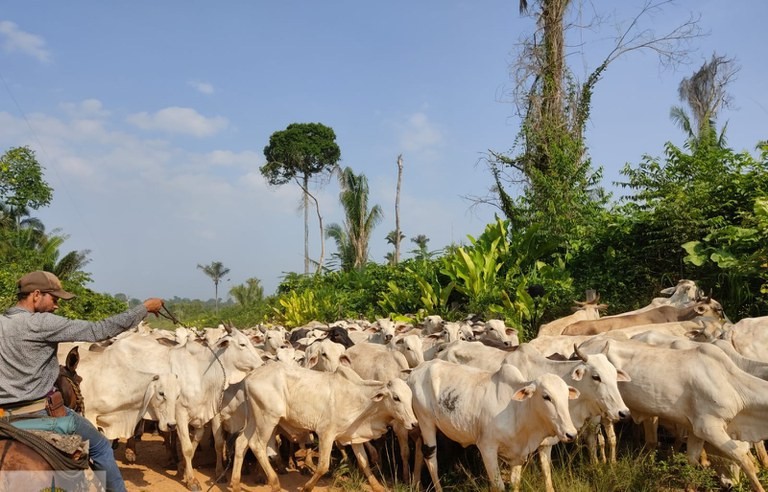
{"points": [[29, 342]]}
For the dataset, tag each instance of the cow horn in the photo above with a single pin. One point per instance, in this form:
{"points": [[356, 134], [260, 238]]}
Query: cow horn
{"points": [[228, 326], [579, 353]]}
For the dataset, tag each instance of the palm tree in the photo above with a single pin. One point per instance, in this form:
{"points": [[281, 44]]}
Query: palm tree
{"points": [[216, 270], [421, 252], [352, 238], [394, 238], [345, 253], [61, 266], [705, 94], [248, 294]]}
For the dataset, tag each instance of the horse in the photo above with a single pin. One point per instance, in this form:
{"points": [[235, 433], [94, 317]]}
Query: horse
{"points": [[21, 452], [68, 382]]}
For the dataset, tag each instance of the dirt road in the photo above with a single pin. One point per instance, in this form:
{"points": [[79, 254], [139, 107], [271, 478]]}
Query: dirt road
{"points": [[150, 472]]}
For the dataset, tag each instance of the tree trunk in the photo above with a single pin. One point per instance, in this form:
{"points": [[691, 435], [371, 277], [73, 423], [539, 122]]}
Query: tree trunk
{"points": [[216, 294], [397, 208], [306, 223]]}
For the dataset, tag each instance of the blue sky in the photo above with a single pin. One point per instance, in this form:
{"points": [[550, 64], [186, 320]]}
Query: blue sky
{"points": [[150, 118]]}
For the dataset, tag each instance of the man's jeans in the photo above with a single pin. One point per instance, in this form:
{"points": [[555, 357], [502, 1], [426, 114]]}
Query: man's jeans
{"points": [[99, 447]]}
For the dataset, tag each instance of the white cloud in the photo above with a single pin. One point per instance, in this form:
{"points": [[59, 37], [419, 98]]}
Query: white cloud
{"points": [[179, 121], [18, 41], [202, 87], [228, 158], [85, 109], [418, 134]]}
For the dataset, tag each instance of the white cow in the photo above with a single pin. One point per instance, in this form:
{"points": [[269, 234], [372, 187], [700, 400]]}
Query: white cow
{"points": [[119, 391], [475, 354], [500, 412], [324, 355], [338, 406], [203, 371], [497, 331], [412, 347], [749, 337], [685, 293], [699, 390], [594, 377], [584, 311]]}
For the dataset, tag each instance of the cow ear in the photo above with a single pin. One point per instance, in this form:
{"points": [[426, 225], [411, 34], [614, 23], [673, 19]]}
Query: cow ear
{"points": [[404, 373], [524, 393], [311, 362], [344, 360], [573, 393], [578, 373], [701, 309], [379, 396], [622, 376]]}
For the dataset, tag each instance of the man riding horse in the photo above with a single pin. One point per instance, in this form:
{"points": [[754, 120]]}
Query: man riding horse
{"points": [[29, 338]]}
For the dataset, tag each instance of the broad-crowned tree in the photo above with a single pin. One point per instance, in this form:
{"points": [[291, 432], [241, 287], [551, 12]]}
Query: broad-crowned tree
{"points": [[298, 153]]}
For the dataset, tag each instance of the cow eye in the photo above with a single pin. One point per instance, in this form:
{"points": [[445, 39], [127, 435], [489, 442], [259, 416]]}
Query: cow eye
{"points": [[596, 377], [547, 398], [396, 398], [161, 393]]}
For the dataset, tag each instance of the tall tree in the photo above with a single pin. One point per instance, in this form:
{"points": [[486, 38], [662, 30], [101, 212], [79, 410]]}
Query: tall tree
{"points": [[21, 181], [705, 93], [398, 234], [359, 221], [298, 153], [216, 271], [551, 164]]}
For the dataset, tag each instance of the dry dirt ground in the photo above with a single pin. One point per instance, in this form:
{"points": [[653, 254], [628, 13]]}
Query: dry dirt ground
{"points": [[151, 472]]}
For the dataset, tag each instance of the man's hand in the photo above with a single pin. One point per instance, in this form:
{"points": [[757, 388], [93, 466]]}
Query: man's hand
{"points": [[153, 304]]}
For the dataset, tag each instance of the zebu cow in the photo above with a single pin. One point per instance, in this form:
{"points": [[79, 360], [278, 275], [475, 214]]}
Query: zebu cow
{"points": [[338, 406], [500, 412], [685, 293], [662, 314], [412, 347], [324, 355], [204, 372], [749, 337], [118, 390], [594, 377], [497, 330], [584, 311], [699, 390], [381, 363]]}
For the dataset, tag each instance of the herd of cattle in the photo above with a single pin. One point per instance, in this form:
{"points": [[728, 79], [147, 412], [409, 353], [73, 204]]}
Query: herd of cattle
{"points": [[677, 362]]}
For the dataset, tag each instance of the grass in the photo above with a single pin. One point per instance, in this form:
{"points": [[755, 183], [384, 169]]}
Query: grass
{"points": [[636, 471]]}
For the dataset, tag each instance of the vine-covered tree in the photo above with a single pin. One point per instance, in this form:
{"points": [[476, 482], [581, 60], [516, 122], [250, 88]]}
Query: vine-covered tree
{"points": [[216, 271], [549, 160], [298, 153]]}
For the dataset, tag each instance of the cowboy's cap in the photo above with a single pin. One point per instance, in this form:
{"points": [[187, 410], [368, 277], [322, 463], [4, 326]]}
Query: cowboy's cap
{"points": [[45, 282]]}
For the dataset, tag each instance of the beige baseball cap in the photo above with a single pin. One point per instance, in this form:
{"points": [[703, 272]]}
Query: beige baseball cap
{"points": [[45, 282]]}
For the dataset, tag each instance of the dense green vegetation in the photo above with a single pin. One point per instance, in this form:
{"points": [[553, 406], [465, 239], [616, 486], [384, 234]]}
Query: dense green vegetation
{"points": [[699, 214]]}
